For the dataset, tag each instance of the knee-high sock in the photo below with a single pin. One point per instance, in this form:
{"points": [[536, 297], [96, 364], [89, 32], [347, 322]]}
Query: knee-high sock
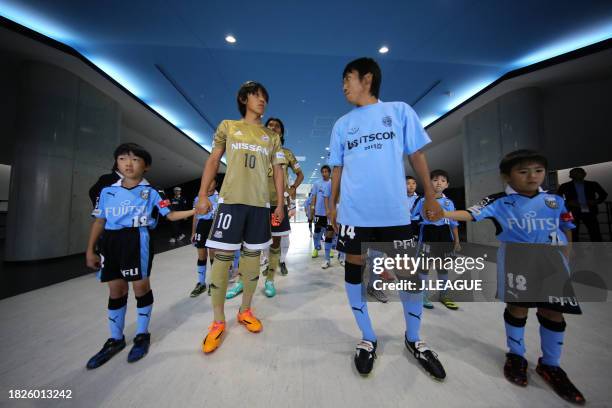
{"points": [[551, 340], [144, 307], [316, 238], [274, 263], [354, 292], [284, 248], [412, 303], [116, 316], [202, 271], [423, 277], [218, 281], [328, 246], [249, 270], [515, 333], [443, 276], [236, 259]]}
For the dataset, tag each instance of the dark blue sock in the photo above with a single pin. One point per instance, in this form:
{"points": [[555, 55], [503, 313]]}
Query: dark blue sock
{"points": [[144, 307], [412, 304], [360, 310], [116, 316], [202, 271], [515, 333], [551, 340]]}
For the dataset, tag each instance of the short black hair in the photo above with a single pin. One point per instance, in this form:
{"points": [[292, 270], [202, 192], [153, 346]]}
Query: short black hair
{"points": [[282, 126], [325, 166], [521, 156], [410, 178], [136, 149], [577, 170], [249, 88], [439, 172], [364, 66]]}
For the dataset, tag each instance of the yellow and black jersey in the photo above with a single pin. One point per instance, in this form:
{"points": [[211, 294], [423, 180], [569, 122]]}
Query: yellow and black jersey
{"points": [[290, 162], [250, 151]]}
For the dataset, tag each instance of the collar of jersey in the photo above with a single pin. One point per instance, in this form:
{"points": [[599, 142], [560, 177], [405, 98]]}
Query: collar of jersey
{"points": [[143, 182], [367, 106], [510, 190], [250, 124]]}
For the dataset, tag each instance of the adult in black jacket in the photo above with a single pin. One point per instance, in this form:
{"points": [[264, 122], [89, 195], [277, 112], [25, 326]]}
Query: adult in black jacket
{"points": [[582, 198], [105, 180]]}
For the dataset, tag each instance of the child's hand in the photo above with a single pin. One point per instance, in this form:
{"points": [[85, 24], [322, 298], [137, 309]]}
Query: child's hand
{"points": [[279, 213], [203, 207], [457, 247], [93, 261]]}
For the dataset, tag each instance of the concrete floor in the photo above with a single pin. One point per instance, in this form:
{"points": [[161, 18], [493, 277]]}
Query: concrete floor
{"points": [[303, 357]]}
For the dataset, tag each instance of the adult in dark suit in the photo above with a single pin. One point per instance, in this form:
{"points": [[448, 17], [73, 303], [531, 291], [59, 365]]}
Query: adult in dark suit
{"points": [[582, 198]]}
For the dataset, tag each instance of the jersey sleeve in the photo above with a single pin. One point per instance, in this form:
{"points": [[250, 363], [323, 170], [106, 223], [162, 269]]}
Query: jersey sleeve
{"points": [[415, 137], [98, 211], [336, 147], [293, 163], [415, 212], [161, 204], [220, 136], [566, 219], [486, 208], [277, 154], [453, 223]]}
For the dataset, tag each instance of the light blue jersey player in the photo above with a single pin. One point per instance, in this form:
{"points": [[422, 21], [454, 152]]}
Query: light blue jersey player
{"points": [[533, 228], [200, 230], [367, 150], [321, 195], [124, 214]]}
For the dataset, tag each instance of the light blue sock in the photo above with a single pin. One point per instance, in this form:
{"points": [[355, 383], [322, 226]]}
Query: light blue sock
{"points": [[201, 272], [144, 307], [360, 310], [316, 237], [515, 333], [412, 303], [236, 259], [116, 316], [328, 246], [551, 341]]}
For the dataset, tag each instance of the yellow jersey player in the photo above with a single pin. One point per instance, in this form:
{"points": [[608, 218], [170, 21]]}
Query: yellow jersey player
{"points": [[243, 214]]}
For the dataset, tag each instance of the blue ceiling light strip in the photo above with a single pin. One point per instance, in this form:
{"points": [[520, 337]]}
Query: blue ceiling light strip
{"points": [[579, 53], [36, 36], [427, 91], [180, 90]]}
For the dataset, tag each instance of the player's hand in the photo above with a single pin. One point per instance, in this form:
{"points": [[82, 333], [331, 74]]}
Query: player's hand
{"points": [[279, 213], [432, 209], [93, 261], [457, 247], [193, 238], [332, 219], [292, 192], [203, 207]]}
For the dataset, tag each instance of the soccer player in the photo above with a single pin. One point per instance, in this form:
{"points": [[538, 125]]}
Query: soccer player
{"points": [[125, 212], [411, 186], [177, 203], [438, 238], [243, 215], [199, 233], [321, 204], [512, 211], [308, 210], [283, 229], [281, 233], [367, 150]]}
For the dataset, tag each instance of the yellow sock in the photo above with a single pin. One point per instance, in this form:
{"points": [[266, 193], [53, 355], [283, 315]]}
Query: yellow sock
{"points": [[218, 281], [274, 263], [249, 270]]}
